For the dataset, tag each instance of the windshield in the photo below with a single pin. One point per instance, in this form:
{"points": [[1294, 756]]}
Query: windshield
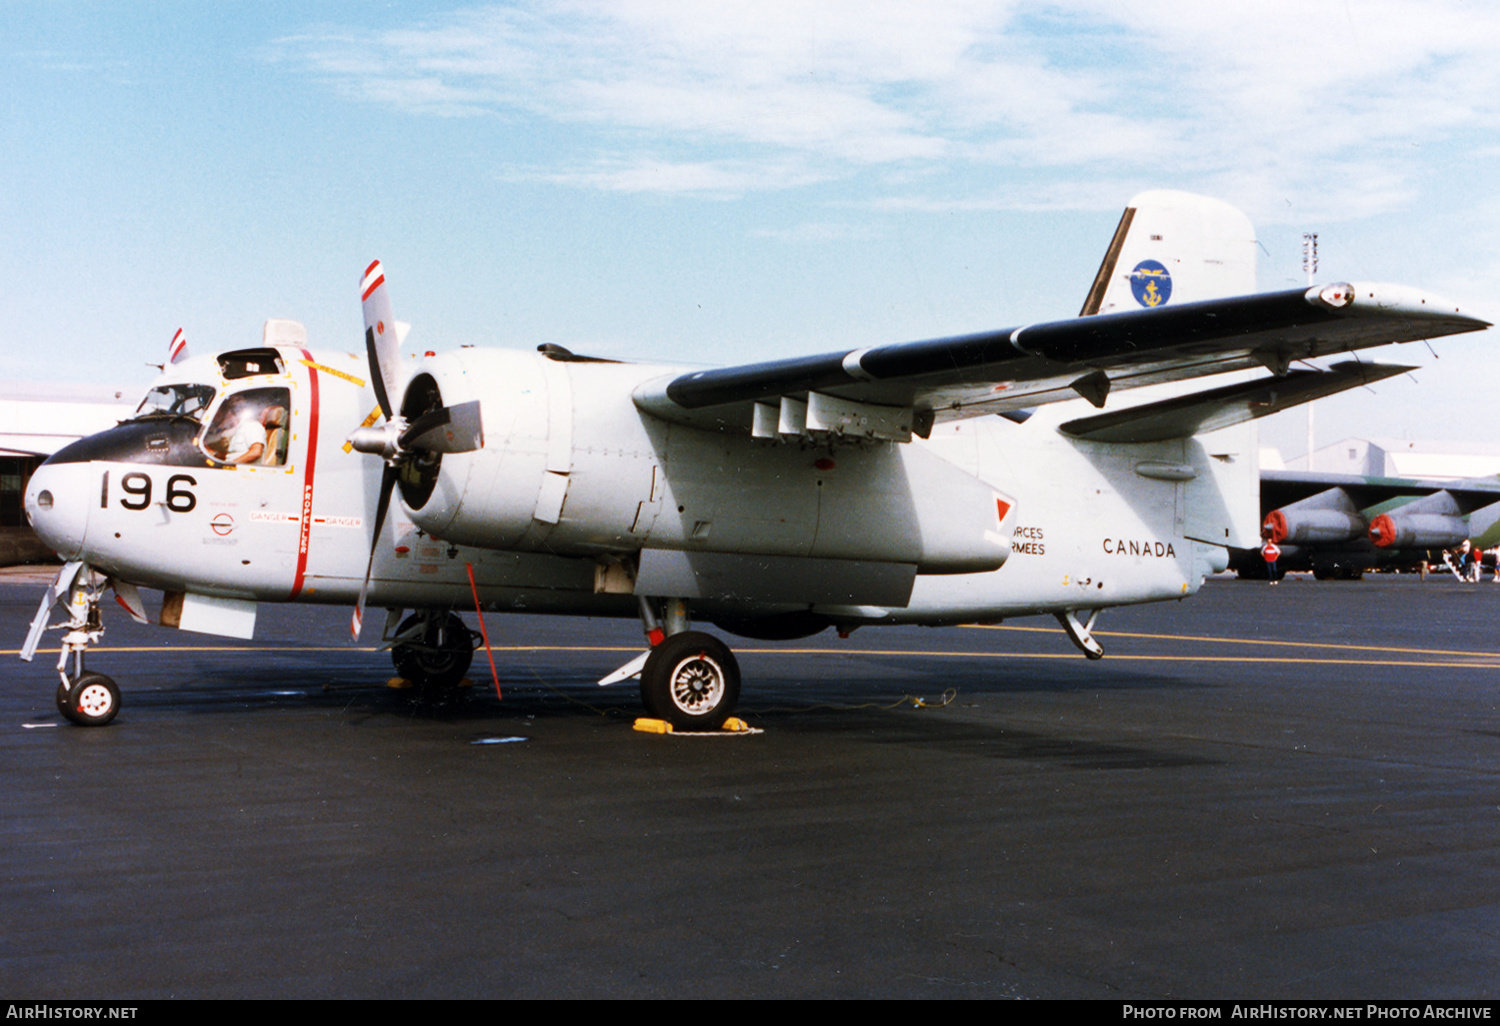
{"points": [[176, 400]]}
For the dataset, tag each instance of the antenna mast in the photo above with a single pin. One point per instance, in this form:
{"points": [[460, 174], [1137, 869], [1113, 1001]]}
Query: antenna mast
{"points": [[1310, 268]]}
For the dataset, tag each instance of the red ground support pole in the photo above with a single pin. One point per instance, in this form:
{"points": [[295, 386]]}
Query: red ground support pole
{"points": [[482, 632]]}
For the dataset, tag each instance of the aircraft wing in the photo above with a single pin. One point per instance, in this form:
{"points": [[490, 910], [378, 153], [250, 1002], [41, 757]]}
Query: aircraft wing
{"points": [[1283, 487], [893, 391]]}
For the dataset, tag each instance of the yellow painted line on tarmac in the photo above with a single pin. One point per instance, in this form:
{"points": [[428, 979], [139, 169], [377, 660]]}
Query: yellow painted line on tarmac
{"points": [[932, 653], [261, 649], [273, 647], [1248, 641], [1469, 660]]}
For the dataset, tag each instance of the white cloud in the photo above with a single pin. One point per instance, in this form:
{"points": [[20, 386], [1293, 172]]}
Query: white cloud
{"points": [[710, 178], [818, 231], [1279, 98]]}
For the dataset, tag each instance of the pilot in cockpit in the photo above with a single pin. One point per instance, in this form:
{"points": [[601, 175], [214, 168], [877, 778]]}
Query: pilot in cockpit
{"points": [[250, 428], [246, 441]]}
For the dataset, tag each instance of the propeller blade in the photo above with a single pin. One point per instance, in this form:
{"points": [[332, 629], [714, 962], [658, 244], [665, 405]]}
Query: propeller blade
{"points": [[446, 429], [387, 484], [177, 349], [382, 340]]}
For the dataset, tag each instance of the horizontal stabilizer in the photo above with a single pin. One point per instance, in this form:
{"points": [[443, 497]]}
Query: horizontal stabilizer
{"points": [[1223, 407]]}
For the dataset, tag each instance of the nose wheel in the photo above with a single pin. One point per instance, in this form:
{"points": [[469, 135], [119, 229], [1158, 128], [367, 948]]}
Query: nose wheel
{"points": [[89, 699]]}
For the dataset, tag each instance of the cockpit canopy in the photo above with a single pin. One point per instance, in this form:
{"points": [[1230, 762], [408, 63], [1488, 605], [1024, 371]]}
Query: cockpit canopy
{"points": [[244, 425]]}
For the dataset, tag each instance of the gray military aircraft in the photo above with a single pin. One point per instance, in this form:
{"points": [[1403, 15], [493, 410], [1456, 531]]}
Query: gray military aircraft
{"points": [[1340, 525], [945, 481]]}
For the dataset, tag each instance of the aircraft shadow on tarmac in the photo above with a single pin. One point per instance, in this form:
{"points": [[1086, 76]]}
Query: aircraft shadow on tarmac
{"points": [[553, 683], [990, 738], [842, 700]]}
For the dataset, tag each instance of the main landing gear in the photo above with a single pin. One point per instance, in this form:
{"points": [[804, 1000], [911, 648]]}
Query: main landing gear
{"points": [[87, 699], [432, 648], [688, 678]]}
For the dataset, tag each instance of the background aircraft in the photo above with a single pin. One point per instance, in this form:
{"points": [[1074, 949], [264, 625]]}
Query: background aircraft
{"points": [[936, 482], [1340, 525]]}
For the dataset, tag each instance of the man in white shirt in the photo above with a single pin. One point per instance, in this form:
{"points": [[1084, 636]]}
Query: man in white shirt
{"points": [[248, 441]]}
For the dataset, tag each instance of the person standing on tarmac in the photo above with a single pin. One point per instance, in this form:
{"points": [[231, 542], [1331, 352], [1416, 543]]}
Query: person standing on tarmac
{"points": [[1270, 552], [1466, 555]]}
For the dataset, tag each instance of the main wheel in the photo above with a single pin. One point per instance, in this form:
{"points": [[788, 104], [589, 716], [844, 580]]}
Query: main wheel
{"points": [[440, 656], [692, 681], [93, 700]]}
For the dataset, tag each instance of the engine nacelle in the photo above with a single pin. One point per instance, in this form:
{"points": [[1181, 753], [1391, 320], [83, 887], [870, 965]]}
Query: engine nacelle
{"points": [[1329, 516], [570, 466], [1417, 531], [1312, 526], [454, 496], [1431, 522]]}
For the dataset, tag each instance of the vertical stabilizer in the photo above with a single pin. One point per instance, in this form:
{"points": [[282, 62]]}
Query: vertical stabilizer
{"points": [[1171, 248]]}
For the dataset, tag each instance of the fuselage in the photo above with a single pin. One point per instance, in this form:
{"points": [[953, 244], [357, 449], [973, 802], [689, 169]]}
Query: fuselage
{"points": [[578, 501]]}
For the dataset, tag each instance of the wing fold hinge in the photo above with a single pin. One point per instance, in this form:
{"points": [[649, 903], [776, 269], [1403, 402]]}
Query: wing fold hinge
{"points": [[829, 418]]}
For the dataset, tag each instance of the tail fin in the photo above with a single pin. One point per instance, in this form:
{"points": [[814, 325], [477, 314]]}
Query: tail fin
{"points": [[1174, 247]]}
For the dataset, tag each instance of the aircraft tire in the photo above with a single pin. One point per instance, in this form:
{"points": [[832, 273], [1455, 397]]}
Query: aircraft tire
{"points": [[63, 705], [692, 681], [93, 700], [443, 660]]}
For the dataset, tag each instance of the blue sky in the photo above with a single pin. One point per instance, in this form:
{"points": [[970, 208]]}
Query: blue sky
{"points": [[726, 182]]}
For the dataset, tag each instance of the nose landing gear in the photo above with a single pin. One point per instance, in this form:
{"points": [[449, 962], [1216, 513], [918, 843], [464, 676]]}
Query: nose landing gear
{"points": [[87, 699]]}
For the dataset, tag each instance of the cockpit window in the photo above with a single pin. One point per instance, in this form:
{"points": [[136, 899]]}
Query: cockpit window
{"points": [[250, 428], [176, 401]]}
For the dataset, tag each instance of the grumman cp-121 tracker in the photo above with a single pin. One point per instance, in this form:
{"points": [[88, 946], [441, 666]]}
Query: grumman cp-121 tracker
{"points": [[952, 480]]}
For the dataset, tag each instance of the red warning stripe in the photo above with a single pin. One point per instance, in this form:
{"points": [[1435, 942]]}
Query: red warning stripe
{"points": [[305, 514], [373, 271]]}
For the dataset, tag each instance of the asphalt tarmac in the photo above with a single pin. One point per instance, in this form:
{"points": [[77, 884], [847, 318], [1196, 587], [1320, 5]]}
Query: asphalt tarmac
{"points": [[1288, 792]]}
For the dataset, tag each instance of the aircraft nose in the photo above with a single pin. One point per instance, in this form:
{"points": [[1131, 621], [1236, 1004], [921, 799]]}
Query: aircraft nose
{"points": [[57, 505]]}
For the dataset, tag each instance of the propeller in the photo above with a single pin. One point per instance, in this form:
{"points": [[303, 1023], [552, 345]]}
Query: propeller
{"points": [[436, 432], [177, 351], [381, 342]]}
